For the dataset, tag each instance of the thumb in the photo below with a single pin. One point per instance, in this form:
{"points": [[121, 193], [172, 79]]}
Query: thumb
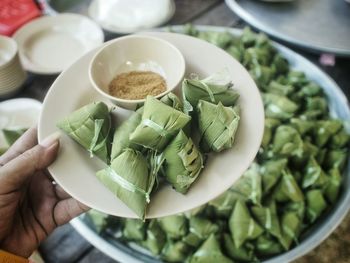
{"points": [[14, 173]]}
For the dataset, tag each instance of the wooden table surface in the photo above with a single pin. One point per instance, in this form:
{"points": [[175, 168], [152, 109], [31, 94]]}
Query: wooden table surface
{"points": [[66, 245]]}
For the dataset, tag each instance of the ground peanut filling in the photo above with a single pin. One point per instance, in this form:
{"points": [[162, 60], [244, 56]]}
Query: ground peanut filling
{"points": [[137, 85]]}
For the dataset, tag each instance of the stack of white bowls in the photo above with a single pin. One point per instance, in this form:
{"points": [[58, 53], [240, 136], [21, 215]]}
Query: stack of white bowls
{"points": [[12, 74]]}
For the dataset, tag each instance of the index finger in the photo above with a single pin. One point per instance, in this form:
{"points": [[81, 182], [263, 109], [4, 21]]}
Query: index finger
{"points": [[27, 141]]}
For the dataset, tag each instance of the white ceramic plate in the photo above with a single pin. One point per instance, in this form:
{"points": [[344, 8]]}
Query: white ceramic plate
{"points": [[75, 171], [123, 17], [17, 114], [49, 44]]}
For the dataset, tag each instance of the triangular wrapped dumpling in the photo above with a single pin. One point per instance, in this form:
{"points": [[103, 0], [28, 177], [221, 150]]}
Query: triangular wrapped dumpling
{"points": [[266, 246], [220, 39], [155, 238], [281, 64], [236, 50], [223, 205], [243, 254], [175, 226], [248, 37], [335, 159], [311, 115], [97, 219], [297, 207], [134, 229], [277, 88], [249, 184], [287, 141], [214, 89], [113, 224], [192, 240], [324, 129], [190, 29], [268, 218], [315, 204], [291, 226], [269, 127], [182, 162], [198, 211], [217, 125], [334, 184], [175, 251], [317, 103], [262, 75], [129, 179], [121, 135], [202, 227], [199, 230], [242, 226], [173, 101], [310, 88], [271, 172], [314, 176], [209, 252], [90, 127], [321, 157], [297, 78], [288, 189], [309, 150], [301, 125], [340, 140], [159, 124], [279, 107]]}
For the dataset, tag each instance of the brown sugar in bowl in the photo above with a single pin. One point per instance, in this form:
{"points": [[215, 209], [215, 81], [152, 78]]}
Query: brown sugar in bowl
{"points": [[136, 85], [136, 53]]}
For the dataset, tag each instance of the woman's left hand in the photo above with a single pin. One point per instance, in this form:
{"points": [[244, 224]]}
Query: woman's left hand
{"points": [[31, 205]]}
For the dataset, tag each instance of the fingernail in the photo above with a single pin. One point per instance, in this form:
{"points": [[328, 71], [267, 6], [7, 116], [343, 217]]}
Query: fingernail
{"points": [[51, 139]]}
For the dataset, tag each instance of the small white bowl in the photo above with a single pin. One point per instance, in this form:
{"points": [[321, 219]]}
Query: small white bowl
{"points": [[125, 17], [136, 53], [12, 74]]}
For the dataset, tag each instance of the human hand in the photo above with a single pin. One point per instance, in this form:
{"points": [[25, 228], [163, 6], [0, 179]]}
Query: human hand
{"points": [[31, 205]]}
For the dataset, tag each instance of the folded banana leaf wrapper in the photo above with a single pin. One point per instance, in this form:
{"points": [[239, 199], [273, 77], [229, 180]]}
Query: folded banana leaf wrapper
{"points": [[217, 125], [182, 162], [173, 101], [296, 178], [122, 132], [130, 179], [209, 252], [90, 126], [121, 135], [159, 124], [216, 88]]}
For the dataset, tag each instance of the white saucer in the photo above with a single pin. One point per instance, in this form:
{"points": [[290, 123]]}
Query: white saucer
{"points": [[18, 114], [117, 16], [49, 44], [75, 171]]}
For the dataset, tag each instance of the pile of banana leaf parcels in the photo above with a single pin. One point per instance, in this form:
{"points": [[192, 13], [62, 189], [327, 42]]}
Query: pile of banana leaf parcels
{"points": [[154, 144], [295, 179]]}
